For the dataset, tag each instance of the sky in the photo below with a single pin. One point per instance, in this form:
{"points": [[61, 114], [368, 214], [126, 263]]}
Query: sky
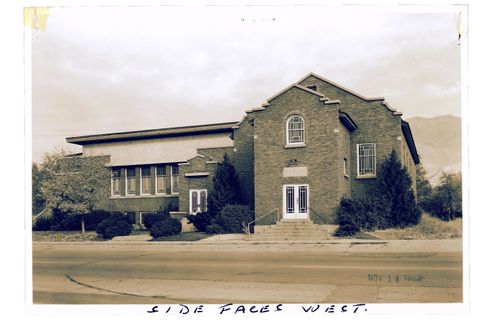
{"points": [[107, 69]]}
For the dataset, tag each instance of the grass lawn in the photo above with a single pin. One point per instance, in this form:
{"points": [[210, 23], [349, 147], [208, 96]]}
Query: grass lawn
{"points": [[185, 236], [428, 228], [62, 236]]}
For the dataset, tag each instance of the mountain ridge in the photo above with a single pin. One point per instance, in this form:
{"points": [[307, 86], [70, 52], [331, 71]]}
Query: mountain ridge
{"points": [[439, 144]]}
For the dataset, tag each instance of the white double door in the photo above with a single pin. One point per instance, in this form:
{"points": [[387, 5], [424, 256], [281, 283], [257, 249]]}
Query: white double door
{"points": [[197, 201], [295, 201]]}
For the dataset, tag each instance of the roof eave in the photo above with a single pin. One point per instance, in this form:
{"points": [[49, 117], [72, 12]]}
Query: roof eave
{"points": [[405, 127]]}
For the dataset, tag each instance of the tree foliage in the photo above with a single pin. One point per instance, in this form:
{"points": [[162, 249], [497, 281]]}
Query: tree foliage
{"points": [[394, 187], [391, 204], [74, 185], [225, 187], [446, 199], [37, 178], [424, 188]]}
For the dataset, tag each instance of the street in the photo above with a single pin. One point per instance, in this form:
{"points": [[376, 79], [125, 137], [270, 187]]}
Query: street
{"points": [[170, 273]]}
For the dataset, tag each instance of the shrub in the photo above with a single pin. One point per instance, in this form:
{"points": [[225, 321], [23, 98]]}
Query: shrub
{"points": [[42, 224], [360, 214], [119, 228], [116, 224], [215, 228], [94, 218], [62, 221], [201, 220], [166, 227], [151, 218], [234, 218]]}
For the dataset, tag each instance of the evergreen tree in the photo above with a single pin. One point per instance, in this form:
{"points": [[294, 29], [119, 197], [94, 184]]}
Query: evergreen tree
{"points": [[225, 187], [394, 188]]}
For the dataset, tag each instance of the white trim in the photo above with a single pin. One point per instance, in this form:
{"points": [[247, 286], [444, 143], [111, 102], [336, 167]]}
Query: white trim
{"points": [[369, 175], [295, 144], [196, 174], [296, 215], [143, 196], [346, 167]]}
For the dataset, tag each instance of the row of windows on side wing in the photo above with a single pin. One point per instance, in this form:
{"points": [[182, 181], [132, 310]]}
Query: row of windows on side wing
{"points": [[145, 180]]}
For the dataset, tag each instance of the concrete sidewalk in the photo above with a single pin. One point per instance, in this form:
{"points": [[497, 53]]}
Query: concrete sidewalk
{"points": [[345, 245]]}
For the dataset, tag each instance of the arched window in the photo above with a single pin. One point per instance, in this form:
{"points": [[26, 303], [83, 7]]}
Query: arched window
{"points": [[295, 130]]}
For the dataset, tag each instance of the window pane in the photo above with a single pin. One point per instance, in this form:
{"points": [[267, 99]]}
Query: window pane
{"points": [[203, 201], [146, 185], [146, 171], [295, 128], [302, 199], [130, 171], [175, 169], [161, 170], [366, 153], [116, 172], [194, 202], [116, 186], [290, 199], [161, 183]]}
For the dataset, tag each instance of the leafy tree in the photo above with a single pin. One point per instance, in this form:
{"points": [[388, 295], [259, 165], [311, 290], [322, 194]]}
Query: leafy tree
{"points": [[37, 177], [424, 188], [225, 187], [394, 188], [74, 185], [446, 200]]}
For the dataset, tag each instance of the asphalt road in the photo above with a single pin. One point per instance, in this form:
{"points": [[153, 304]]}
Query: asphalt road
{"points": [[106, 273]]}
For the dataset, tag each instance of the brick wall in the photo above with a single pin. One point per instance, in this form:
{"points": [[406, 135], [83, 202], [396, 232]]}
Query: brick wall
{"points": [[320, 155], [376, 124], [244, 160]]}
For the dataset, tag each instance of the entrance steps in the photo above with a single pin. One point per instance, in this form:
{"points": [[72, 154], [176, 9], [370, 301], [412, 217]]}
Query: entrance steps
{"points": [[292, 230]]}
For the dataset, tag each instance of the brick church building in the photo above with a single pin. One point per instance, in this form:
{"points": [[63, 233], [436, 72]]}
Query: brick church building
{"points": [[296, 156]]}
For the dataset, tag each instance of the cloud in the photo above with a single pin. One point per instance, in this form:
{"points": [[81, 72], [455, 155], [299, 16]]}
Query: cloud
{"points": [[112, 69]]}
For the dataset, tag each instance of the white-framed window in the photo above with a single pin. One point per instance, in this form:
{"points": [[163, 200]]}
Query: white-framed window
{"points": [[145, 180], [295, 130], [116, 181], [366, 159], [161, 179], [131, 182], [174, 179], [197, 201]]}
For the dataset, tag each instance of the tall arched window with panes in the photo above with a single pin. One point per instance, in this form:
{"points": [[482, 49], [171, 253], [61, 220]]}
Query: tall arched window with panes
{"points": [[295, 130]]}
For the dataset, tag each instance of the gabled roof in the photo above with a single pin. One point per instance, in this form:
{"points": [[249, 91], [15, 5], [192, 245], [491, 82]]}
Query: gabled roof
{"points": [[154, 133], [297, 86], [340, 87]]}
